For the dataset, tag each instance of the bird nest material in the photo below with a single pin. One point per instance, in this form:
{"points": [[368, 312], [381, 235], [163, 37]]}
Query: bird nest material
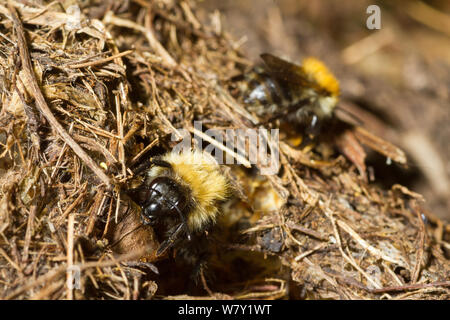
{"points": [[89, 89]]}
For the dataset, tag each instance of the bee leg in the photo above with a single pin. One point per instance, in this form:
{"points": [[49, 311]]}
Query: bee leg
{"points": [[195, 254], [171, 241], [200, 267], [308, 121], [160, 163], [152, 162], [286, 113]]}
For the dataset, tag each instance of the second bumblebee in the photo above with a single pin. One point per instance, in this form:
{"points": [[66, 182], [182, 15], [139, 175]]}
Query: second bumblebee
{"points": [[304, 96]]}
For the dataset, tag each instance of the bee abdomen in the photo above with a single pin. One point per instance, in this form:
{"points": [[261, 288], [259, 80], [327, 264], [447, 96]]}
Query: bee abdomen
{"points": [[263, 90]]}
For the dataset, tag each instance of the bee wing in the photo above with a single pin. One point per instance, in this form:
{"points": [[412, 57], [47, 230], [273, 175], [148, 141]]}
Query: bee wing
{"points": [[286, 72]]}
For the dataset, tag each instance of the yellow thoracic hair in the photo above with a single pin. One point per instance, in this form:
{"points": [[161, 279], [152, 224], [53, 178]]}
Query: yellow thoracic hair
{"points": [[319, 73], [200, 173]]}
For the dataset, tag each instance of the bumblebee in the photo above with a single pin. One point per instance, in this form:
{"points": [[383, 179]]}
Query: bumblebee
{"points": [[179, 197], [304, 96]]}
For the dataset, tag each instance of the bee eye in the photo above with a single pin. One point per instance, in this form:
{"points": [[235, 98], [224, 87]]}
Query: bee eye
{"points": [[155, 203]]}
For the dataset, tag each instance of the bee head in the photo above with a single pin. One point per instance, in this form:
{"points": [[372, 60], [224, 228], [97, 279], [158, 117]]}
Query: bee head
{"points": [[163, 200]]}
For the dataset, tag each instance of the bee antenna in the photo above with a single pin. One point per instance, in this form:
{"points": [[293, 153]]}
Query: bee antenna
{"points": [[170, 241]]}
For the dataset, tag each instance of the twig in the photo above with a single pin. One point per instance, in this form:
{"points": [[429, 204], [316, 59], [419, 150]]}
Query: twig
{"points": [[276, 293], [70, 234], [42, 104], [307, 253], [99, 61], [108, 220], [29, 231], [148, 147], [120, 147], [411, 287], [10, 261], [307, 231], [98, 202], [205, 285], [422, 233], [33, 123]]}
